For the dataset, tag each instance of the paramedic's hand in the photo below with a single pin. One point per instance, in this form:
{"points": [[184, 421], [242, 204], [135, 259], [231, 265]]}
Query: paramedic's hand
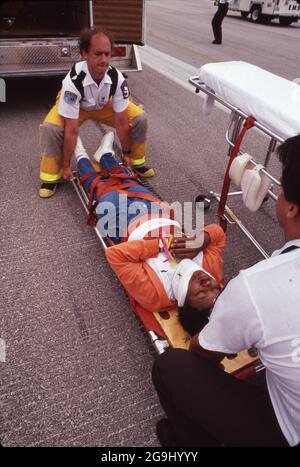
{"points": [[186, 247], [68, 174], [127, 161]]}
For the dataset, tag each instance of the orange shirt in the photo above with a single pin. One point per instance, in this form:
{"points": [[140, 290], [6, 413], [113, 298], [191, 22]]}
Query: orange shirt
{"points": [[128, 261]]}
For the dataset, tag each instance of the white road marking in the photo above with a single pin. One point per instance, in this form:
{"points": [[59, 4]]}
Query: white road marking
{"points": [[177, 71]]}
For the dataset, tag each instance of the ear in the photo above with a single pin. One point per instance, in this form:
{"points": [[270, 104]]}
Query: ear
{"points": [[293, 211], [84, 54]]}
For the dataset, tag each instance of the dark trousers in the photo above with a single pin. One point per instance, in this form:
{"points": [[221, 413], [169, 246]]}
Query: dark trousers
{"points": [[208, 407], [217, 21]]}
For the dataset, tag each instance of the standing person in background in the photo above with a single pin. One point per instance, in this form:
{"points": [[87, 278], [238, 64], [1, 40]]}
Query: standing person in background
{"points": [[218, 19]]}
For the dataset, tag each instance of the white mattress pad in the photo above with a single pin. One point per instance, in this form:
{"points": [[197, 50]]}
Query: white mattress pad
{"points": [[272, 100]]}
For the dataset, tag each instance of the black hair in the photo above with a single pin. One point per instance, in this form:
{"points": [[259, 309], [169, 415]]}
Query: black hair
{"points": [[289, 156], [193, 320], [86, 37]]}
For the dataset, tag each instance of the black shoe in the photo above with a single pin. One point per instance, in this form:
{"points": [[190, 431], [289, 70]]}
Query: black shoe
{"points": [[144, 171], [47, 190], [216, 42], [165, 434]]}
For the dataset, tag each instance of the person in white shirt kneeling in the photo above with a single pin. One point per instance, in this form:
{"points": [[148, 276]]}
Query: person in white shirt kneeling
{"points": [[259, 308]]}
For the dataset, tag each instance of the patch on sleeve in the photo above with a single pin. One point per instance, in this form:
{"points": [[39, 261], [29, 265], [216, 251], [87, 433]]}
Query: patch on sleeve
{"points": [[70, 97], [125, 89]]}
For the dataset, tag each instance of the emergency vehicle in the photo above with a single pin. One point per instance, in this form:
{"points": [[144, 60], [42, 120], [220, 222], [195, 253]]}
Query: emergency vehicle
{"points": [[288, 11], [40, 38]]}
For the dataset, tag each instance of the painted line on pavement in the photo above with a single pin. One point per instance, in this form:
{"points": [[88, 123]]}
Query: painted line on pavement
{"points": [[177, 71], [208, 58]]}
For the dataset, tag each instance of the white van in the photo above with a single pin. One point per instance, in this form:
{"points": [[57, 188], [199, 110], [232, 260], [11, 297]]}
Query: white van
{"points": [[288, 11]]}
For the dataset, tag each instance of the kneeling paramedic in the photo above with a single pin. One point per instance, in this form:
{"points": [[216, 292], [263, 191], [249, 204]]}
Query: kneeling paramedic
{"points": [[259, 308], [93, 89]]}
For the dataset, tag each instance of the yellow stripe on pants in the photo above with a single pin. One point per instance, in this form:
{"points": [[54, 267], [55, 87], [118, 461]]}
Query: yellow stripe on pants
{"points": [[52, 136]]}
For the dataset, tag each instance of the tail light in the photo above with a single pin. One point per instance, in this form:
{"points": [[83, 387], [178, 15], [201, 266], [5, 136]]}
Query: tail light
{"points": [[119, 51]]}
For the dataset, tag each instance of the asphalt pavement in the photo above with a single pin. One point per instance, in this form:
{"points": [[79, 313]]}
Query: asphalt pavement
{"points": [[77, 366]]}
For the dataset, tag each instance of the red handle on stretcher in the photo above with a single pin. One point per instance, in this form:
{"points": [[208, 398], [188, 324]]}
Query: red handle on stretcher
{"points": [[248, 123]]}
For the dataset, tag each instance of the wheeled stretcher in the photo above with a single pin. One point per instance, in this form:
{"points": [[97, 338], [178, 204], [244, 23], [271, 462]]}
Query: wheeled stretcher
{"points": [[163, 328], [256, 99]]}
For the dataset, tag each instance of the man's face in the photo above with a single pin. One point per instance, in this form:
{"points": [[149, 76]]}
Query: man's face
{"points": [[202, 291], [98, 57]]}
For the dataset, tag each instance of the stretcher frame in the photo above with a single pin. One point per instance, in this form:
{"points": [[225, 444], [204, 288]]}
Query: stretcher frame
{"points": [[159, 344], [244, 365], [238, 117]]}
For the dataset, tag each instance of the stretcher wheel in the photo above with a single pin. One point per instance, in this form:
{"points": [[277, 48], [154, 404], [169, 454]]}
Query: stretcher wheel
{"points": [[203, 199]]}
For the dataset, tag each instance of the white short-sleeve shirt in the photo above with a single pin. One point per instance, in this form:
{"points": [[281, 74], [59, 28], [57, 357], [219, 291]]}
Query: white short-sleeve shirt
{"points": [[261, 308], [95, 96]]}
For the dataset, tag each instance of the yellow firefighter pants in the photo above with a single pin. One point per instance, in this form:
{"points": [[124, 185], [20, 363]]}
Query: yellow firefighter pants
{"points": [[52, 136]]}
